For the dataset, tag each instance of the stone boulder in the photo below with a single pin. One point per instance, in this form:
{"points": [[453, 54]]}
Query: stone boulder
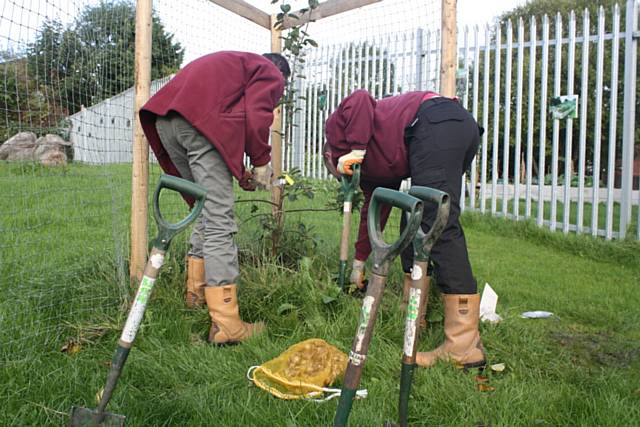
{"points": [[19, 148], [48, 150], [51, 150]]}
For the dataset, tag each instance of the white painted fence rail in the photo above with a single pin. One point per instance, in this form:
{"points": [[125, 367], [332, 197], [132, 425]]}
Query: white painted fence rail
{"points": [[510, 95], [509, 73]]}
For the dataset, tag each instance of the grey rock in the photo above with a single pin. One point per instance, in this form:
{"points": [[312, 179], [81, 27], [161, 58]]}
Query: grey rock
{"points": [[19, 147], [48, 150]]}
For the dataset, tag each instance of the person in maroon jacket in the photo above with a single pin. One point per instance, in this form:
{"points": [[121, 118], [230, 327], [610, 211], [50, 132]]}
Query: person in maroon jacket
{"points": [[200, 125], [432, 140]]}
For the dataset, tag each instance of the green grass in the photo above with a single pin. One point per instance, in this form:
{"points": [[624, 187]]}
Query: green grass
{"points": [[63, 278], [573, 214]]}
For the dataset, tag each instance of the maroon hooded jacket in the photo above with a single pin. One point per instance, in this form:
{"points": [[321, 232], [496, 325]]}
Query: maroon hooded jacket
{"points": [[229, 97], [362, 123]]}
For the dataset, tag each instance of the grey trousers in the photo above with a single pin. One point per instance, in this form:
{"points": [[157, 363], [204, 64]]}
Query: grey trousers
{"points": [[197, 160]]}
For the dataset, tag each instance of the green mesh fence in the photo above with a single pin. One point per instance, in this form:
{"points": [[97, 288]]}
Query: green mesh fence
{"points": [[66, 130]]}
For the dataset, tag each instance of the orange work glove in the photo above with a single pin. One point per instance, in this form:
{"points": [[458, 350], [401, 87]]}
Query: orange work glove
{"points": [[345, 162]]}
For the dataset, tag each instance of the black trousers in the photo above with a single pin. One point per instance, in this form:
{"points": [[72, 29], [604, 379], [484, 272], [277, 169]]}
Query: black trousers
{"points": [[442, 142]]}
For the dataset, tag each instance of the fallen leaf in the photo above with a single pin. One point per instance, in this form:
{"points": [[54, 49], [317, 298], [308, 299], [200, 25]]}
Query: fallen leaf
{"points": [[481, 379], [71, 348], [106, 363], [498, 367], [637, 392], [485, 387], [99, 395]]}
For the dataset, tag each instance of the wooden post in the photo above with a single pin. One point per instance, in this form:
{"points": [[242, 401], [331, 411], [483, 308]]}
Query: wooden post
{"points": [[140, 172], [276, 144], [449, 49]]}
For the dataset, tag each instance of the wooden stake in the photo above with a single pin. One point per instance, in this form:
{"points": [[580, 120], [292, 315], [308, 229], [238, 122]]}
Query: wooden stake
{"points": [[324, 10], [140, 172], [449, 49], [276, 137], [246, 10]]}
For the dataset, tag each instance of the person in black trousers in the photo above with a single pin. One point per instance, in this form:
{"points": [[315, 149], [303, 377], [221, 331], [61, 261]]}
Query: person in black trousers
{"points": [[442, 142]]}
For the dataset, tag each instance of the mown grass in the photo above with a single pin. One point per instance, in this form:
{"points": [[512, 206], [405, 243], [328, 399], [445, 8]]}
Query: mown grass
{"points": [[63, 280], [587, 216]]}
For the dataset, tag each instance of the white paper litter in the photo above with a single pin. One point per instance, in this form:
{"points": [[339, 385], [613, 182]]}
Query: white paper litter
{"points": [[498, 367], [538, 314], [488, 304]]}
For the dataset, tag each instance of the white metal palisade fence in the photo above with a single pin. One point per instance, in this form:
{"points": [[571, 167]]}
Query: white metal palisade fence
{"points": [[520, 170]]}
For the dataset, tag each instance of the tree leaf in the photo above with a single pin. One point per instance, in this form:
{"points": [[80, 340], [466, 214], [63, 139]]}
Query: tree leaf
{"points": [[485, 387], [71, 348]]}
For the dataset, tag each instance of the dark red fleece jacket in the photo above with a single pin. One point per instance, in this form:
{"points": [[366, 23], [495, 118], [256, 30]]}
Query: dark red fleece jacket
{"points": [[229, 97], [362, 123]]}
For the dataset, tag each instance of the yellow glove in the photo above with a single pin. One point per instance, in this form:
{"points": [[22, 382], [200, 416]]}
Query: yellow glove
{"points": [[345, 162], [262, 176], [357, 274]]}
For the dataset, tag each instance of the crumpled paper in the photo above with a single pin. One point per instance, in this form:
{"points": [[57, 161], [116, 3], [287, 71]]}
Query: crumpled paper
{"points": [[488, 304]]}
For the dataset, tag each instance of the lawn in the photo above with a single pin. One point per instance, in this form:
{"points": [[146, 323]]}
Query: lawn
{"points": [[64, 286]]}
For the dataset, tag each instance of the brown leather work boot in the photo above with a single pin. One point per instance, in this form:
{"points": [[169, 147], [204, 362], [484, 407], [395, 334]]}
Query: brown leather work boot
{"points": [[194, 294], [226, 325], [462, 344]]}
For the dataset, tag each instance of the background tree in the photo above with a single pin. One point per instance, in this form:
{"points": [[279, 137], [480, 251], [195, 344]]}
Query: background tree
{"points": [[538, 9], [93, 58], [25, 106]]}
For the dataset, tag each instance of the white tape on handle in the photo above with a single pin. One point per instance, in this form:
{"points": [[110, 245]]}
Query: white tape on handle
{"points": [[411, 321], [137, 310]]}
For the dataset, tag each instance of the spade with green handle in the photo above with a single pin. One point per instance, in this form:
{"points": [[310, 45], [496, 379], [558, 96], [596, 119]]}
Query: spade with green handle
{"points": [[349, 186], [81, 417], [418, 292], [383, 254]]}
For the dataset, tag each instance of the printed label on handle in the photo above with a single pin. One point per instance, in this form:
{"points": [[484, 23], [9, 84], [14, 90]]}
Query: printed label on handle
{"points": [[367, 303], [410, 322], [356, 359], [347, 207], [137, 310]]}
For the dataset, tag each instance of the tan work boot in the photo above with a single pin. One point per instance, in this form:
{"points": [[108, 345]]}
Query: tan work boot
{"points": [[194, 295], [226, 325], [462, 343]]}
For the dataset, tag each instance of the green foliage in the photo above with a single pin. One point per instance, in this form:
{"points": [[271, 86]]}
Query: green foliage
{"points": [[93, 58], [298, 186], [295, 241], [27, 105], [550, 8], [295, 41]]}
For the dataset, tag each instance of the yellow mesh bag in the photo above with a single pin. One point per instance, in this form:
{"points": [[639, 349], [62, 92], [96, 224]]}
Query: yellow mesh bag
{"points": [[303, 371]]}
